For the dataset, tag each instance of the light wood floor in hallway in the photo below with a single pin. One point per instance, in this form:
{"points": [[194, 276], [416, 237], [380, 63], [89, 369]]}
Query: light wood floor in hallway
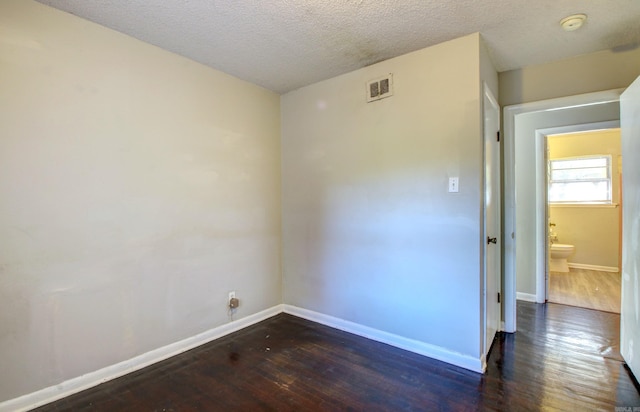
{"points": [[591, 289]]}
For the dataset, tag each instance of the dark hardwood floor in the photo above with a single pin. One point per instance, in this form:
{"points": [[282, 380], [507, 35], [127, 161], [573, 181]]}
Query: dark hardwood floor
{"points": [[562, 358]]}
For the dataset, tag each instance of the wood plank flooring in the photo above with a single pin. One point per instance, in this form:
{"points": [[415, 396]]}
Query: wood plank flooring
{"points": [[562, 358], [586, 288]]}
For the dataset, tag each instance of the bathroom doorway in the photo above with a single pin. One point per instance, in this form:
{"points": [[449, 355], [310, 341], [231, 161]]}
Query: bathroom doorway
{"points": [[583, 204]]}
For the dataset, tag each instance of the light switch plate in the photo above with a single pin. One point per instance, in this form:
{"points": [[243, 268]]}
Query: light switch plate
{"points": [[453, 185]]}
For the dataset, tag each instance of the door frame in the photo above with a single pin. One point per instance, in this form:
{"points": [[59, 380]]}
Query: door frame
{"points": [[511, 116], [542, 203]]}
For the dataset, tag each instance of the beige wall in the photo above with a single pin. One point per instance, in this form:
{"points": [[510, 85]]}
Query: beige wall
{"points": [[137, 189], [605, 70], [370, 233], [593, 230]]}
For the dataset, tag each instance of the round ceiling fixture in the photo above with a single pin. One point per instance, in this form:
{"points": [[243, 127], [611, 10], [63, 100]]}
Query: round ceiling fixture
{"points": [[573, 22]]}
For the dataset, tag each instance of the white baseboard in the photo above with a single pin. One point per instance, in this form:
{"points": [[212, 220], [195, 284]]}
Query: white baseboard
{"points": [[594, 267], [527, 297], [71, 386], [425, 349], [91, 379]]}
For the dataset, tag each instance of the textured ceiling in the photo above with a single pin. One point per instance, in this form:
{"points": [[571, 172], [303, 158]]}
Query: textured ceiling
{"points": [[286, 44]]}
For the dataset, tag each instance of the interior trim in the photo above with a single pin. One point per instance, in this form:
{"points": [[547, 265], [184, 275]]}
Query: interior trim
{"points": [[421, 348], [527, 297], [593, 267], [596, 205], [91, 379]]}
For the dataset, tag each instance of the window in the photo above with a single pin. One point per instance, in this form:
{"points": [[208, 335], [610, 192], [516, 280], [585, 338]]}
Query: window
{"points": [[580, 180]]}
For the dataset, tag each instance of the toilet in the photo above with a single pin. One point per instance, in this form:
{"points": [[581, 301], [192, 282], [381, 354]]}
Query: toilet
{"points": [[558, 254]]}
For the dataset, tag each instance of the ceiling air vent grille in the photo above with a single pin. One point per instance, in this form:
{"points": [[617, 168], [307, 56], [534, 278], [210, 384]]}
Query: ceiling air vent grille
{"points": [[380, 88]]}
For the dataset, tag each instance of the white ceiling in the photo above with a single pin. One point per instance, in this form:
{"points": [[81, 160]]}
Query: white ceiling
{"points": [[286, 44]]}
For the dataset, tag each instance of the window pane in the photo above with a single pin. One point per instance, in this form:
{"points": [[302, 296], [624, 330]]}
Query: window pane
{"points": [[579, 192], [579, 163], [576, 180], [580, 174]]}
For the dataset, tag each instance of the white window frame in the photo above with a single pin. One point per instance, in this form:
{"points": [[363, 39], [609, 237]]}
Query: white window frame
{"points": [[608, 179]]}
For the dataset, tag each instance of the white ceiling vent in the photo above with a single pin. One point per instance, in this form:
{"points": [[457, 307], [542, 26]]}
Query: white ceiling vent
{"points": [[380, 88]]}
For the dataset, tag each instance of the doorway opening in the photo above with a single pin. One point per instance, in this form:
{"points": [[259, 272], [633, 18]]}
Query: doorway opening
{"points": [[525, 126], [525, 217], [583, 210]]}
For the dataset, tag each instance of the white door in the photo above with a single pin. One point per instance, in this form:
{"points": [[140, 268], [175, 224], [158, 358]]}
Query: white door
{"points": [[630, 312], [491, 217]]}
